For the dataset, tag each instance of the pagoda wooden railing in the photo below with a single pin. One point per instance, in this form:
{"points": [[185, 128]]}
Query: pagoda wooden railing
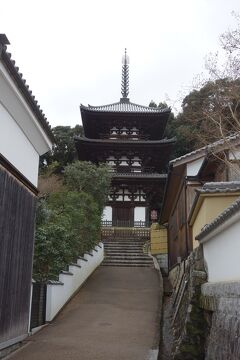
{"points": [[140, 232], [125, 223]]}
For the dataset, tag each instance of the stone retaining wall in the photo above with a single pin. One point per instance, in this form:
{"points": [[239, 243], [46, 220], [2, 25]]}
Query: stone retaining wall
{"points": [[222, 301], [205, 316], [189, 324]]}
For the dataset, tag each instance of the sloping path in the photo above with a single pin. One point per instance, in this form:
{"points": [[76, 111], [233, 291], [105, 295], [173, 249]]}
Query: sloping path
{"points": [[115, 316]]}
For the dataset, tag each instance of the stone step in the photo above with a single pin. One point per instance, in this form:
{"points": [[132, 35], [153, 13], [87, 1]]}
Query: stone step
{"points": [[124, 254], [125, 261], [125, 239], [113, 255], [128, 256], [139, 250], [125, 265], [124, 251], [123, 246], [134, 247], [117, 248]]}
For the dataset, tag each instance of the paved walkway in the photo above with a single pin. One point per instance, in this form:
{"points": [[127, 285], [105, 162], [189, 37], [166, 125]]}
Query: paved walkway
{"points": [[115, 316]]}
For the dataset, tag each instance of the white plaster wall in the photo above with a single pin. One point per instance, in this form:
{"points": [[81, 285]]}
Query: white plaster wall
{"points": [[58, 295], [12, 99], [139, 213], [194, 167], [16, 148], [107, 213], [222, 254]]}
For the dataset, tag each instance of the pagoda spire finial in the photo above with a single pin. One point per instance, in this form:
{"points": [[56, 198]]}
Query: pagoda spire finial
{"points": [[125, 77]]}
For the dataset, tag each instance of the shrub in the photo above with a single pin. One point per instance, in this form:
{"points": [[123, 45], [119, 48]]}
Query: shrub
{"points": [[68, 224]]}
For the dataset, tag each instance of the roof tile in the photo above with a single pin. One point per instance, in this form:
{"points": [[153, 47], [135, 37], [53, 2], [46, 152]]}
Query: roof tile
{"points": [[125, 107], [224, 216], [13, 70], [206, 149], [220, 187]]}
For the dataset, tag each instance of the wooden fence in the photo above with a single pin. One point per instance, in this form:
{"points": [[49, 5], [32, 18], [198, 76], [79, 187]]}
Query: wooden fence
{"points": [[17, 212]]}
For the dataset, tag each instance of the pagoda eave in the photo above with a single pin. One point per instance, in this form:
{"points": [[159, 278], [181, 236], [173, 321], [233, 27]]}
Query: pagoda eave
{"points": [[96, 122], [123, 143], [139, 176], [124, 107], [154, 154], [140, 179]]}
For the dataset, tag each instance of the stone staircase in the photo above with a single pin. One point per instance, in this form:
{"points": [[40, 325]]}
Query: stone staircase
{"points": [[125, 252]]}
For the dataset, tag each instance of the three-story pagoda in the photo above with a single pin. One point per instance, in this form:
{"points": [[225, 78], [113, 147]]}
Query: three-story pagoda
{"points": [[130, 138]]}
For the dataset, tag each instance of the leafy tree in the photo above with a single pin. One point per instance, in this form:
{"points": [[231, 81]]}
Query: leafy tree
{"points": [[152, 104], [208, 114], [87, 177], [170, 131], [63, 151], [161, 105], [83, 222]]}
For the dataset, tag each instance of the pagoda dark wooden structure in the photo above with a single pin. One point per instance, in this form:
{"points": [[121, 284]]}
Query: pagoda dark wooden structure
{"points": [[130, 138]]}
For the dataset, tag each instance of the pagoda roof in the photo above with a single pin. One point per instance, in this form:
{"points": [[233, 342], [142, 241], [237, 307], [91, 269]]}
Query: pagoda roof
{"points": [[155, 152], [125, 106], [98, 120], [150, 121]]}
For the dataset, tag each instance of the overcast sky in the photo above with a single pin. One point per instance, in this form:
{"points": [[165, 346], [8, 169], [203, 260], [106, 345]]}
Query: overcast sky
{"points": [[70, 51]]}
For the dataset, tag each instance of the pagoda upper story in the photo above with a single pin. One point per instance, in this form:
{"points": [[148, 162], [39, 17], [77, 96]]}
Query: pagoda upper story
{"points": [[124, 120], [127, 136]]}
